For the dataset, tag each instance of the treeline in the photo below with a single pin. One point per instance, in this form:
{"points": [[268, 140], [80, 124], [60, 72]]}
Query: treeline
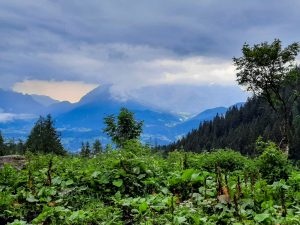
{"points": [[87, 150], [239, 129], [271, 74], [11, 146], [44, 138]]}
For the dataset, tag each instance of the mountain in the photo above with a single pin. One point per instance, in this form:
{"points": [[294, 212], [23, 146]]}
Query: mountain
{"points": [[59, 108], [194, 122], [86, 118], [190, 99], [13, 102], [44, 100], [239, 128], [83, 121]]}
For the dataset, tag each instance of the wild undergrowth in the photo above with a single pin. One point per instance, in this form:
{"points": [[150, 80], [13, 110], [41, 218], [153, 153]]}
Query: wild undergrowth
{"points": [[132, 185]]}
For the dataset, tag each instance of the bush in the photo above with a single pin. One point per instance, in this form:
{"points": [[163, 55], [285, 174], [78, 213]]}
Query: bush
{"points": [[227, 160], [273, 164]]}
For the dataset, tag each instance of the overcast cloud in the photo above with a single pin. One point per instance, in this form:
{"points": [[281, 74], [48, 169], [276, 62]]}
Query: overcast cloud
{"points": [[134, 44]]}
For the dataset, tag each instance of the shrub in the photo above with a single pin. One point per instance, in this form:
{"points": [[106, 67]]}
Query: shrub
{"points": [[273, 164], [227, 160]]}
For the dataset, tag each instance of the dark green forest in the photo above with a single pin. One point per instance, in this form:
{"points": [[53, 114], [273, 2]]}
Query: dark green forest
{"points": [[273, 113], [239, 129]]}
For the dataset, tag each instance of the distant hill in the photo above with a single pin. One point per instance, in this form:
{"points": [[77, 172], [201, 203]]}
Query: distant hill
{"points": [[83, 121], [239, 129], [44, 100], [194, 122], [87, 116], [12, 102]]}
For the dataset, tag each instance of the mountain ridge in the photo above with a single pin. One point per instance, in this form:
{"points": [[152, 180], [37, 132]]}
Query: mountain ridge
{"points": [[83, 121]]}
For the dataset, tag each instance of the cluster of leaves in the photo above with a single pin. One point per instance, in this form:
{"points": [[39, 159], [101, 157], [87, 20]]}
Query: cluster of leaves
{"points": [[132, 185]]}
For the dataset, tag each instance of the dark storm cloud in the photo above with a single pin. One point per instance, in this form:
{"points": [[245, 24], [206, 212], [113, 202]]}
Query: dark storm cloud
{"points": [[186, 27], [135, 43]]}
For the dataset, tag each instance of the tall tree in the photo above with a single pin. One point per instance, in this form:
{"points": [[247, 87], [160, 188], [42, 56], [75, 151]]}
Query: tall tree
{"points": [[123, 128], [2, 145], [44, 137], [97, 147], [85, 149], [82, 150], [266, 70]]}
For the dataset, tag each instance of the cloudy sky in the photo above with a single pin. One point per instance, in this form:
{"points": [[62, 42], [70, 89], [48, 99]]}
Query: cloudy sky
{"points": [[65, 48]]}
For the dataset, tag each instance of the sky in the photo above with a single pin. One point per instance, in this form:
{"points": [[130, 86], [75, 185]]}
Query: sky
{"points": [[65, 48]]}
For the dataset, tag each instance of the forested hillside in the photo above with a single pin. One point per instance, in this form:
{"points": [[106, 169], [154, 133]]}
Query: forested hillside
{"points": [[239, 129]]}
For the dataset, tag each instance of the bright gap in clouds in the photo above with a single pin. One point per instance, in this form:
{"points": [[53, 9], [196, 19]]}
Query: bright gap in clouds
{"points": [[70, 91]]}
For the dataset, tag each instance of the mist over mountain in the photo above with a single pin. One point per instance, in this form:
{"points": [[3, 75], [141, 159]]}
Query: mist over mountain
{"points": [[190, 99], [83, 121]]}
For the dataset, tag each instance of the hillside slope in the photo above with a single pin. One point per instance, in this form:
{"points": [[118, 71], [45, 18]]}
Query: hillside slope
{"points": [[239, 130]]}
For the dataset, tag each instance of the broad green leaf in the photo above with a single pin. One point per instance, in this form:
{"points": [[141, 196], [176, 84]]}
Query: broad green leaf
{"points": [[261, 217], [69, 182], [31, 198], [143, 207], [180, 219], [118, 183]]}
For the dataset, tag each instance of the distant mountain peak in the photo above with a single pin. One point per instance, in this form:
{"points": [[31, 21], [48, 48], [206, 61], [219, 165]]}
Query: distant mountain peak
{"points": [[14, 102], [44, 100], [100, 93]]}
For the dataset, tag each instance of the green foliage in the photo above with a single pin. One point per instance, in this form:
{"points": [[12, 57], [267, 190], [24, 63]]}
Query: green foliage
{"points": [[268, 71], [97, 147], [2, 146], [85, 150], [134, 186], [273, 164], [225, 159], [124, 129], [240, 128], [44, 138], [11, 147], [264, 67]]}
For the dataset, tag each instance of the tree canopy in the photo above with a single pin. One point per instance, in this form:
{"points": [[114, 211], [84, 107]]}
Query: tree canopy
{"points": [[97, 147], [123, 128], [266, 70], [2, 146], [44, 137]]}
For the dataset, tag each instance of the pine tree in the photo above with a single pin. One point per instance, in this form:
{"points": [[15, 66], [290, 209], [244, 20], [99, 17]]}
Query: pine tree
{"points": [[82, 150], [97, 147], [20, 149], [2, 145], [44, 137], [87, 149]]}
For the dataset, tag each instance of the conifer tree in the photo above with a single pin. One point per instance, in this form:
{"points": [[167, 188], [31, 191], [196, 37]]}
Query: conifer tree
{"points": [[82, 150], [2, 145], [97, 147], [44, 137], [87, 149]]}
